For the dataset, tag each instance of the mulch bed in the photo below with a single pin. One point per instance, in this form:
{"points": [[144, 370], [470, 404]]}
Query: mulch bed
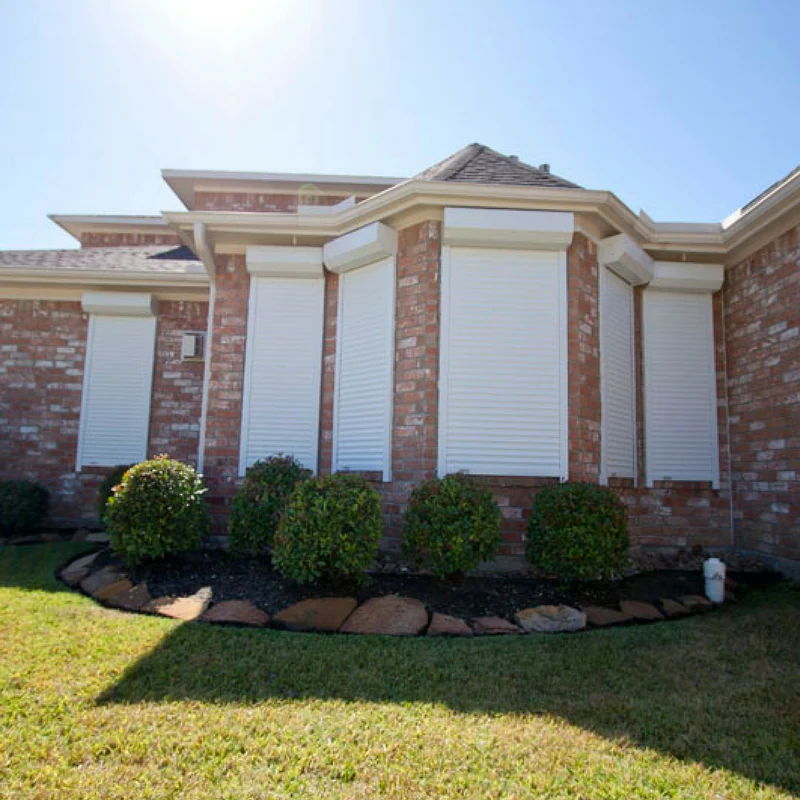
{"points": [[253, 579]]}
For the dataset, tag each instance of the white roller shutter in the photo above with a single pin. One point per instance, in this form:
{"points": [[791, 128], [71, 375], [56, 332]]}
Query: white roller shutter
{"points": [[115, 408], [365, 354], [618, 385], [680, 387], [503, 394], [283, 364]]}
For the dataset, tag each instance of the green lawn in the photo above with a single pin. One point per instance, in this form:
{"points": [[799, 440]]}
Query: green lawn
{"points": [[96, 703]]}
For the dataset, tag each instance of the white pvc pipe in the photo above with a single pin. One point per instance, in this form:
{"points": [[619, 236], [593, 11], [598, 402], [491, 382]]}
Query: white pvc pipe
{"points": [[714, 573]]}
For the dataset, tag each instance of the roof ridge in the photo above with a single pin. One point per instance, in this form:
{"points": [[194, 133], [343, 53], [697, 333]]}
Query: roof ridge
{"points": [[476, 149]]}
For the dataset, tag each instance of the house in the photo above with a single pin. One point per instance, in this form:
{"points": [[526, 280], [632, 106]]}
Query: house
{"points": [[484, 315]]}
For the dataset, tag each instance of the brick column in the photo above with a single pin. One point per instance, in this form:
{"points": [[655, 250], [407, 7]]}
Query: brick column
{"points": [[583, 331], [226, 384], [416, 368], [328, 373]]}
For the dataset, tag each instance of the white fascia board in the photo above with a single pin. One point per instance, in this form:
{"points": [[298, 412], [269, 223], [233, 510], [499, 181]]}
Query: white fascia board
{"points": [[348, 202], [361, 247], [625, 258], [119, 304], [77, 224], [500, 227], [287, 177], [275, 261], [687, 277]]}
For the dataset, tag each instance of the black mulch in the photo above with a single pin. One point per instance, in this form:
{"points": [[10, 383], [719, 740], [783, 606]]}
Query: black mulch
{"points": [[492, 595]]}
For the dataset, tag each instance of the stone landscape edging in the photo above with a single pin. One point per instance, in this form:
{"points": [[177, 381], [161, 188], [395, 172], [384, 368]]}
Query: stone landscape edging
{"points": [[391, 615]]}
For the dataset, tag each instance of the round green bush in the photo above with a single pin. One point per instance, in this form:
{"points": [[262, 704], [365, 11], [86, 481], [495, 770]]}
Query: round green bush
{"points": [[258, 505], [578, 531], [113, 478], [157, 510], [330, 530], [452, 523], [23, 506]]}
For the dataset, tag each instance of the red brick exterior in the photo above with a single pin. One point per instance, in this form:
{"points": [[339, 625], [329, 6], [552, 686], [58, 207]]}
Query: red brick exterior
{"points": [[226, 384], [583, 349], [42, 355], [416, 368], [762, 325], [42, 352], [757, 341], [247, 201], [328, 373], [177, 384], [131, 239], [679, 514]]}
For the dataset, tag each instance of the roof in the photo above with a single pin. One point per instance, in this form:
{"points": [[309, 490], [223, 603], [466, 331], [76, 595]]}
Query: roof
{"points": [[165, 259], [477, 163]]}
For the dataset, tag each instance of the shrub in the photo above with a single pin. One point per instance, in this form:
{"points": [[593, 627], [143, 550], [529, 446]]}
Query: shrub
{"points": [[578, 531], [330, 530], [453, 523], [23, 506], [113, 478], [260, 502], [158, 510]]}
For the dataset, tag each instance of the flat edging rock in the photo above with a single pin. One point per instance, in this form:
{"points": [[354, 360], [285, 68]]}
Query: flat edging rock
{"points": [[389, 615]]}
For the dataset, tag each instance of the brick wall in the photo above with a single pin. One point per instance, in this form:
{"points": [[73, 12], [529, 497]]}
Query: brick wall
{"points": [[177, 384], [328, 373], [248, 201], [583, 335], [42, 354], [226, 385], [416, 368], [42, 351], [678, 514], [128, 239], [762, 324]]}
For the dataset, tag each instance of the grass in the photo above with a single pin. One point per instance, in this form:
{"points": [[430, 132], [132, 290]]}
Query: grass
{"points": [[96, 703]]}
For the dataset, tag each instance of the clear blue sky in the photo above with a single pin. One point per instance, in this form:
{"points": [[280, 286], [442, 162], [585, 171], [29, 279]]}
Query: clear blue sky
{"points": [[685, 109]]}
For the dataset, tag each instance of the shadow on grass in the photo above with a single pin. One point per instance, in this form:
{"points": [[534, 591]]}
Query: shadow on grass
{"points": [[33, 567], [719, 689]]}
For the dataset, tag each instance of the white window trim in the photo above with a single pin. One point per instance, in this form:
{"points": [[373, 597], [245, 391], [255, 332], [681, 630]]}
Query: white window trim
{"points": [[255, 282], [444, 365], [634, 406], [390, 342], [87, 368], [712, 375]]}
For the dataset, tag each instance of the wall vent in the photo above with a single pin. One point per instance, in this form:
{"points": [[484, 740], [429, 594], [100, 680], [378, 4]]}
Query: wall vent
{"points": [[192, 347]]}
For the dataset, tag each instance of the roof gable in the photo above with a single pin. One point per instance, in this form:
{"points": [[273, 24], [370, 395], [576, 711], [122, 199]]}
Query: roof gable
{"points": [[477, 163]]}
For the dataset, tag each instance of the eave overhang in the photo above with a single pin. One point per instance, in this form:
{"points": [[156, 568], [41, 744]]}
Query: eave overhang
{"points": [[187, 183], [599, 214], [76, 225]]}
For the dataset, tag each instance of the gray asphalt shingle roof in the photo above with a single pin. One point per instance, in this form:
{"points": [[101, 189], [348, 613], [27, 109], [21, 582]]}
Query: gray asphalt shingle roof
{"points": [[164, 259], [477, 163]]}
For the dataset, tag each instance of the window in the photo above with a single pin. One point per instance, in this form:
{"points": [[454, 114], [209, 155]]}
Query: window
{"points": [[283, 364], [618, 385], [680, 387], [118, 377], [503, 391], [365, 355]]}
